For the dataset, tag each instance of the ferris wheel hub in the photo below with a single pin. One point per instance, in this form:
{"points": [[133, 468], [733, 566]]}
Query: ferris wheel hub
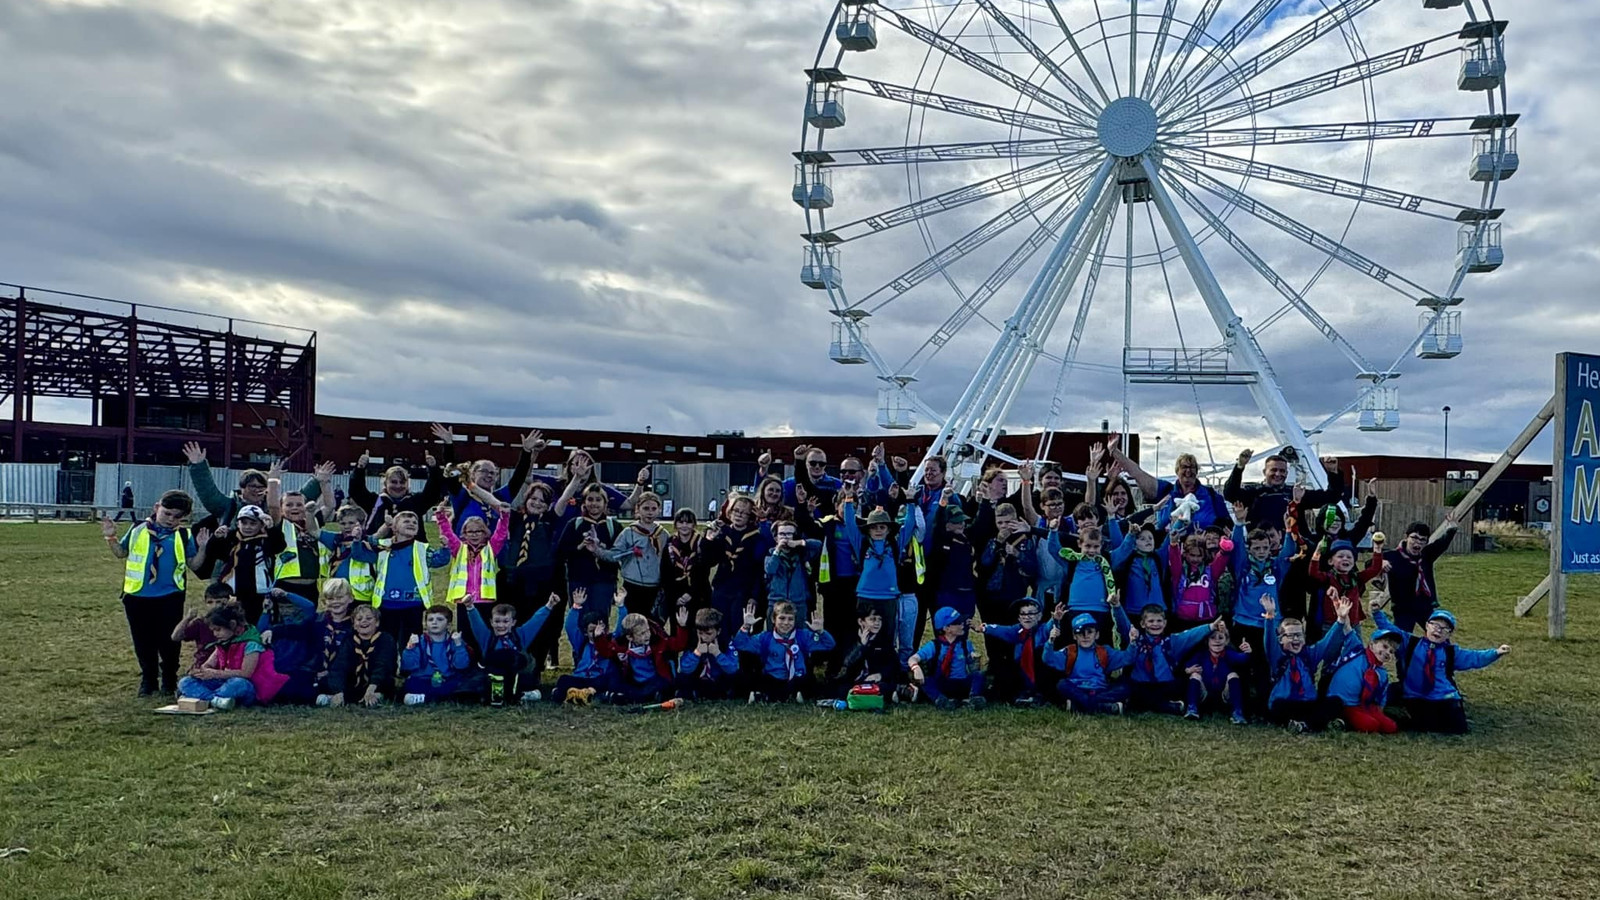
{"points": [[1127, 127]]}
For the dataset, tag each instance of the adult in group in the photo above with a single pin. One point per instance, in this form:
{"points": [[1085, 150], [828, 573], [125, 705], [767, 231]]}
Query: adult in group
{"points": [[396, 495], [1413, 593], [484, 473], [252, 489], [810, 472], [1268, 499], [1213, 508], [578, 472]]}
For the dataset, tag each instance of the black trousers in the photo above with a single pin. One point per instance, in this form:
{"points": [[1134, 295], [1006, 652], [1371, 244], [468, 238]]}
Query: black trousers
{"points": [[1256, 683], [1315, 713], [838, 618], [150, 623], [1439, 716]]}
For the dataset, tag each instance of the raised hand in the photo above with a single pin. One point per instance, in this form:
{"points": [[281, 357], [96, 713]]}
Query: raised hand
{"points": [[455, 638], [750, 618], [682, 616], [323, 471], [554, 602], [1025, 471], [1244, 647], [108, 528], [1059, 613], [194, 453], [1244, 457], [899, 463], [764, 461], [947, 495], [429, 460], [1298, 492], [415, 640], [1341, 606], [275, 470], [581, 467], [580, 596], [534, 441], [1269, 606], [816, 620], [800, 452], [877, 453], [202, 537], [1451, 520], [1055, 632], [1096, 454], [1240, 511], [1220, 624], [363, 460], [442, 434], [1133, 633]]}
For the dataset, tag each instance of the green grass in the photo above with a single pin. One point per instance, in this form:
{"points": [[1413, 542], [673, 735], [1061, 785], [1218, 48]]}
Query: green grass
{"points": [[731, 801]]}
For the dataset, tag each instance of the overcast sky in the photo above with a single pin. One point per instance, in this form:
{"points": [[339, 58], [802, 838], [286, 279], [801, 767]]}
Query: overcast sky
{"points": [[577, 214]]}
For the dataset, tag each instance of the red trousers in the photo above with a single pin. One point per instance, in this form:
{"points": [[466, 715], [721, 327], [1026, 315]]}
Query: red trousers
{"points": [[1370, 719]]}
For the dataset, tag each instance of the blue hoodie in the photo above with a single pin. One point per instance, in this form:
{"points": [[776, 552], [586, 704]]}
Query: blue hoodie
{"points": [[1144, 576], [1158, 660], [1255, 579], [777, 653], [879, 560], [1091, 581], [1287, 669], [789, 574], [720, 667], [427, 656], [1414, 686], [586, 663], [1349, 670], [1087, 674]]}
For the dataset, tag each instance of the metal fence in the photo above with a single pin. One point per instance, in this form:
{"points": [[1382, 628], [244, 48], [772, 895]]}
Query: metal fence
{"points": [[28, 482]]}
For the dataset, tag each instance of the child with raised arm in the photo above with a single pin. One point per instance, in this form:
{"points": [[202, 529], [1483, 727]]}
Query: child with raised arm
{"points": [[363, 670], [1358, 681], [1089, 583], [305, 651], [508, 671], [1195, 570], [158, 557], [707, 670], [790, 570], [239, 670], [474, 567], [435, 664], [194, 630], [1087, 666], [1023, 683], [736, 548], [783, 651], [1427, 667], [871, 660], [1294, 701], [245, 557], [591, 670], [1341, 578], [642, 655], [1153, 680], [1258, 571], [404, 587], [1140, 571], [350, 556], [299, 566], [954, 677], [1214, 677]]}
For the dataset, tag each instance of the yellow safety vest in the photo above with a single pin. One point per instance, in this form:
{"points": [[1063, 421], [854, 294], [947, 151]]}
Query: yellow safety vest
{"points": [[362, 582], [918, 562], [134, 570], [289, 559], [825, 562], [458, 574], [419, 574]]}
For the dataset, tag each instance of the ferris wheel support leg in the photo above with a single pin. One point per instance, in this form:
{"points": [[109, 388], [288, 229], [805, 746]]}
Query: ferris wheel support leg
{"points": [[1240, 342], [986, 383], [1029, 349]]}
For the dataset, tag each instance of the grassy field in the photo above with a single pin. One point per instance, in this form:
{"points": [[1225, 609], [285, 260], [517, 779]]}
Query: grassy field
{"points": [[112, 801]]}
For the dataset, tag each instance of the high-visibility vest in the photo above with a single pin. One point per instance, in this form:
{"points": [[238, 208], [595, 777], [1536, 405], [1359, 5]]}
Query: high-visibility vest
{"points": [[362, 582], [134, 569], [458, 573], [825, 561], [918, 561], [288, 563], [419, 574]]}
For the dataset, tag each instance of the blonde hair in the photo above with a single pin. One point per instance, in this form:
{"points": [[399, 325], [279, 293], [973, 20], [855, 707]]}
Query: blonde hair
{"points": [[337, 587], [397, 470], [632, 622]]}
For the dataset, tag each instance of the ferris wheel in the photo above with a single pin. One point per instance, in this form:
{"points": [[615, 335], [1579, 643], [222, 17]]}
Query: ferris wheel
{"points": [[1246, 163]]}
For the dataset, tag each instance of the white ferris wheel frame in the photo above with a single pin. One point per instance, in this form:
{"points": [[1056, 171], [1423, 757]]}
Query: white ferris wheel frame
{"points": [[1163, 129]]}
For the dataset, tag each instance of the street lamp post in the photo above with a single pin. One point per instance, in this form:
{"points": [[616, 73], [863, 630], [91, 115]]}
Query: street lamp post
{"points": [[1447, 432]]}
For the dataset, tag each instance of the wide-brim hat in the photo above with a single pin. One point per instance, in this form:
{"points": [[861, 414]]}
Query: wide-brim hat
{"points": [[879, 516]]}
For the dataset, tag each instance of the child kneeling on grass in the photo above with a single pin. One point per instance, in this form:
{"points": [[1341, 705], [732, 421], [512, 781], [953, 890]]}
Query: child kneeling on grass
{"points": [[706, 671], [783, 651], [435, 663], [239, 670], [363, 671], [1427, 668], [508, 672], [1088, 666], [1359, 682], [956, 677], [1215, 677], [1293, 701]]}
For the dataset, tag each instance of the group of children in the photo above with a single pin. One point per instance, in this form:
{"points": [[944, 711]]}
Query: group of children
{"points": [[816, 588]]}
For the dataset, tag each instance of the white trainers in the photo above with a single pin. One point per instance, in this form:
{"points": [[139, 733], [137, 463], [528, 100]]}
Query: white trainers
{"points": [[222, 703], [415, 699], [532, 696], [324, 699]]}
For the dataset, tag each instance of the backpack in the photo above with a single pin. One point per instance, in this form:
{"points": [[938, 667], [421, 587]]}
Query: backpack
{"points": [[1100, 653]]}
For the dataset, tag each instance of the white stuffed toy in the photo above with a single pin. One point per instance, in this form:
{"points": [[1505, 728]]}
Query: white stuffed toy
{"points": [[1184, 510]]}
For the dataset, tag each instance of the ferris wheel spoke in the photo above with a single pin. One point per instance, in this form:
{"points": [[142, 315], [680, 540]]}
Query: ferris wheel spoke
{"points": [[1197, 30], [969, 108], [1334, 132], [1216, 55], [1187, 118], [1191, 91], [1273, 278], [1077, 52], [979, 63], [1039, 55], [1305, 233], [953, 152], [1338, 187], [972, 305], [1091, 281], [1155, 51], [1024, 209], [961, 196]]}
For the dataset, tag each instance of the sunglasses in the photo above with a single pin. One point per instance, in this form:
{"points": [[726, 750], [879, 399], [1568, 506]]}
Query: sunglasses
{"points": [[815, 464], [849, 471]]}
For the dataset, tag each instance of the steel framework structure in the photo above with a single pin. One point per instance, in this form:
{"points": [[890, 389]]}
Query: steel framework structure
{"points": [[138, 353]]}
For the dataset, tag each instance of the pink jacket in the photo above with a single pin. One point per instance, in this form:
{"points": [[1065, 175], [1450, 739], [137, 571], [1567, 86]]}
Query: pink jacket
{"points": [[497, 542]]}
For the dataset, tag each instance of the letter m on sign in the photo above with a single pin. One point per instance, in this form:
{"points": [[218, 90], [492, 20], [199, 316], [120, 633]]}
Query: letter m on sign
{"points": [[1585, 496]]}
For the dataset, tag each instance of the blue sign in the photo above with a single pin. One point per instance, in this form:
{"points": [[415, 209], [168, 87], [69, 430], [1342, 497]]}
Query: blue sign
{"points": [[1580, 463]]}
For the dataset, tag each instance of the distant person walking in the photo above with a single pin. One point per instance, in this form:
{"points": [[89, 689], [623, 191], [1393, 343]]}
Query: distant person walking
{"points": [[126, 503]]}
